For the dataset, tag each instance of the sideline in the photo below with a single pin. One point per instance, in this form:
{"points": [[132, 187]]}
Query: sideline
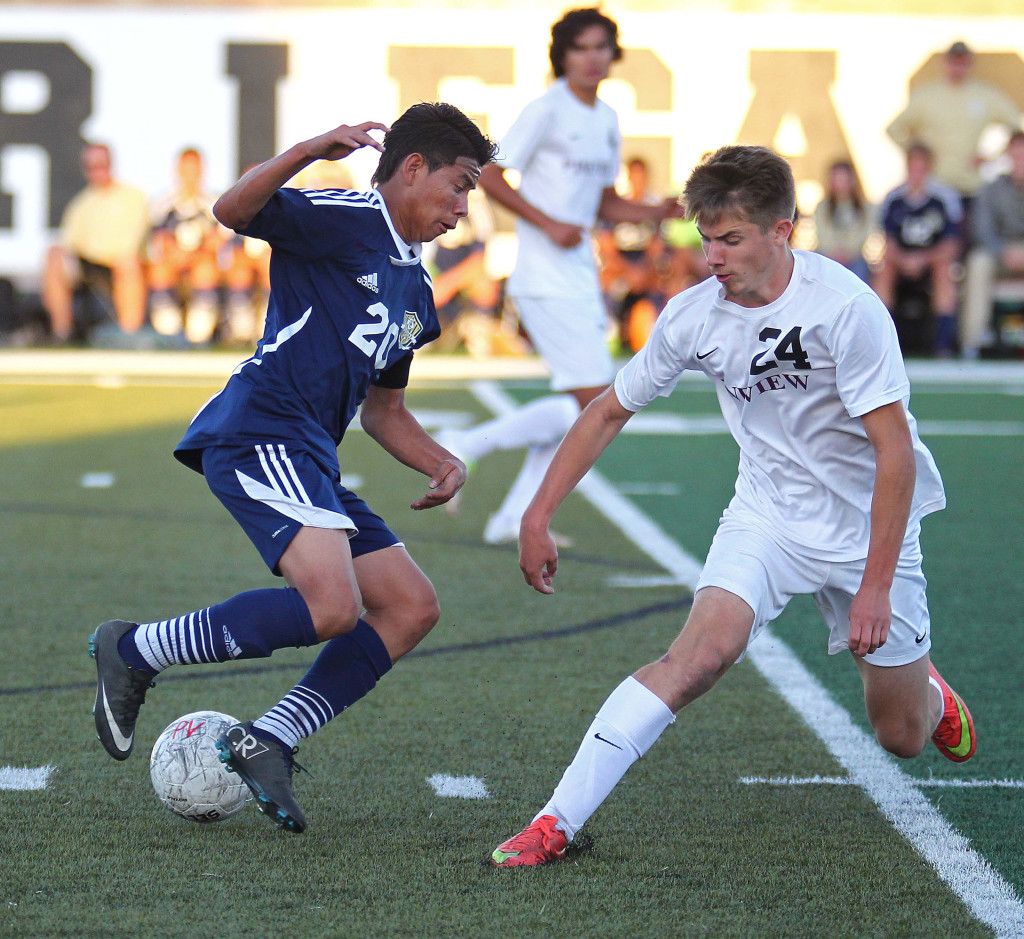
{"points": [[106, 364], [969, 875]]}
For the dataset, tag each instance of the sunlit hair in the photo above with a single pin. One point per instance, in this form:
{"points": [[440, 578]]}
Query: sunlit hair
{"points": [[439, 132], [754, 184], [568, 29]]}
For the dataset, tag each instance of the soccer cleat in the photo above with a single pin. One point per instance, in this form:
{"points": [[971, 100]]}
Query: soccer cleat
{"points": [[267, 770], [538, 843], [955, 734], [120, 690]]}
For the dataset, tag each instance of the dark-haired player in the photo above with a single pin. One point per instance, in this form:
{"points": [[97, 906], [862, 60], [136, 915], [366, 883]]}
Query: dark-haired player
{"points": [[349, 302], [565, 146]]}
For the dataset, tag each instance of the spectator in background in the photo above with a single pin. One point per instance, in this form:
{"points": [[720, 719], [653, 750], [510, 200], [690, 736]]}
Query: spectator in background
{"points": [[921, 219], [465, 295], [245, 270], [949, 115], [183, 247], [843, 220], [629, 253], [99, 254], [998, 227]]}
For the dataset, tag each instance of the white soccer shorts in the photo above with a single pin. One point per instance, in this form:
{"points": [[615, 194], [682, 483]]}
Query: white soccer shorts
{"points": [[571, 335], [766, 572]]}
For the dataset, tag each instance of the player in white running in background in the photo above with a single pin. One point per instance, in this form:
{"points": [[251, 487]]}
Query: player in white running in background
{"points": [[566, 147], [833, 483]]}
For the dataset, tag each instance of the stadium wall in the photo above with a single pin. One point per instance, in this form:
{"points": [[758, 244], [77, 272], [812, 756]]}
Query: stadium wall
{"points": [[242, 81]]}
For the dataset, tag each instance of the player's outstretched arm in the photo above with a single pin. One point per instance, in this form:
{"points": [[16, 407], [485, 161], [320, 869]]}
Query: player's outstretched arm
{"points": [[239, 205], [387, 420], [594, 429], [895, 473], [614, 208]]}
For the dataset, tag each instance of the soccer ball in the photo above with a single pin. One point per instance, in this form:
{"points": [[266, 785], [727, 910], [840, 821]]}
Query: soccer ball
{"points": [[187, 773]]}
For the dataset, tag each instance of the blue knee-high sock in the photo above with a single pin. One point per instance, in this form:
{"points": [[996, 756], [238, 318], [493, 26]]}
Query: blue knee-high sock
{"points": [[248, 626], [347, 668]]}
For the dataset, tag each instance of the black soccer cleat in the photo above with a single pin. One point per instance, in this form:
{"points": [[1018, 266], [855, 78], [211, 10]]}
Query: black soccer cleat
{"points": [[120, 690], [267, 770]]}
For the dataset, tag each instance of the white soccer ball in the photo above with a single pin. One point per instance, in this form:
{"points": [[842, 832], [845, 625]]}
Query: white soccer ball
{"points": [[187, 773]]}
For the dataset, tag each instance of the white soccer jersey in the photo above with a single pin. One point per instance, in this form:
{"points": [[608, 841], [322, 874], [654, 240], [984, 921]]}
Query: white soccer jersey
{"points": [[793, 380], [567, 154]]}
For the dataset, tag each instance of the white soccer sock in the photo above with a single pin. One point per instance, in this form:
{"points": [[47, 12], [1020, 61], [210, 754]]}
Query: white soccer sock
{"points": [[942, 702], [525, 486], [544, 421], [624, 729]]}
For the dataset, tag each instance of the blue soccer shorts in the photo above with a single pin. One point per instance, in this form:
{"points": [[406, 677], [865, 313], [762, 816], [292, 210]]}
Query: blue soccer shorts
{"points": [[274, 489]]}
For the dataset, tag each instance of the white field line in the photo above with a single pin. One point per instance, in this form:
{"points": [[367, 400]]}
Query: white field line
{"points": [[990, 898], [458, 787], [847, 781], [20, 779]]}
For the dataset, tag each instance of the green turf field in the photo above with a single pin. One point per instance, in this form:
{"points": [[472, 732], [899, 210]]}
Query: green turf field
{"points": [[720, 831]]}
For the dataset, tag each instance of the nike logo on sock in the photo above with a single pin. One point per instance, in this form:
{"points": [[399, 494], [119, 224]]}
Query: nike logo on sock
{"points": [[605, 740]]}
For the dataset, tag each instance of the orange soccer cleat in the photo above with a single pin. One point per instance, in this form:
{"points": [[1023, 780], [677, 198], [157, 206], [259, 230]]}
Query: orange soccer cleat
{"points": [[955, 734], [536, 844]]}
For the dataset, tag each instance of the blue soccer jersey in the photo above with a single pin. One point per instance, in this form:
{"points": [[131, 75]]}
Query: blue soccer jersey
{"points": [[921, 220], [349, 302]]}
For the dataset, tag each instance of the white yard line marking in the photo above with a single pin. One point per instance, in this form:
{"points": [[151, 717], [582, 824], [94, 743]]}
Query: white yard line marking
{"points": [[23, 778], [99, 480], [990, 898], [847, 781], [458, 787]]}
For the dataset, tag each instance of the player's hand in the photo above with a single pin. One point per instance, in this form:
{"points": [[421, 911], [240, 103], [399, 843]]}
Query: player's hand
{"points": [[538, 558], [339, 143], [563, 234], [870, 616], [449, 478]]}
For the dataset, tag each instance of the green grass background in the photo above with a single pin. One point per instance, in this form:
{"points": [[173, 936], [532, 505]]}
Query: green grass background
{"points": [[681, 849]]}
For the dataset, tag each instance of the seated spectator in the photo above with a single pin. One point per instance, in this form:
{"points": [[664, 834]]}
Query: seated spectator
{"points": [[99, 255], [843, 220], [245, 264], [998, 225], [183, 267], [921, 221], [629, 253], [465, 295]]}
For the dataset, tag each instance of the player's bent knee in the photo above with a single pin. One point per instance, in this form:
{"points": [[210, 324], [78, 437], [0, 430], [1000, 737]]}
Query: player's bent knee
{"points": [[335, 619], [904, 741]]}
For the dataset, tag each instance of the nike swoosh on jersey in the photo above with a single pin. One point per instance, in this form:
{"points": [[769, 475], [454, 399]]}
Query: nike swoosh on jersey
{"points": [[704, 355], [120, 741]]}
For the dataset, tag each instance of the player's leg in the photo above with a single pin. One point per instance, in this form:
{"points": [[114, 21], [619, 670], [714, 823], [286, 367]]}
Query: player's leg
{"points": [[746, 582], [277, 500], [901, 704], [318, 566], [401, 608], [631, 720], [571, 337], [907, 700]]}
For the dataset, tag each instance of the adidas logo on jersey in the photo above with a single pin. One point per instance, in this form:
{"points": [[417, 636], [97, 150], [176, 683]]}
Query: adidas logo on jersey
{"points": [[369, 281]]}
